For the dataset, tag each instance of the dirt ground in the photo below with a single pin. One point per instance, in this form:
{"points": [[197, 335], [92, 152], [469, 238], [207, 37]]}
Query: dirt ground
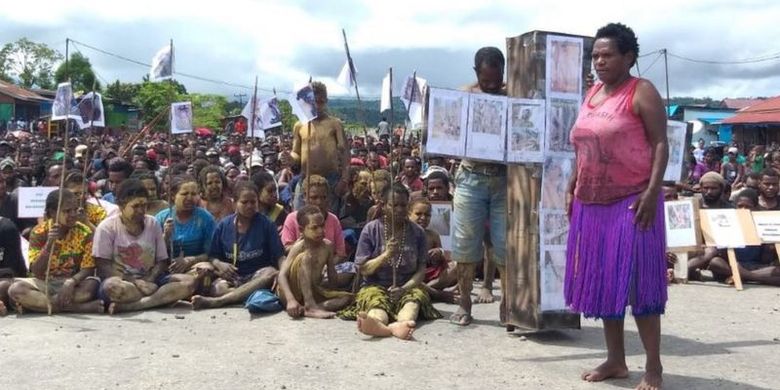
{"points": [[713, 338]]}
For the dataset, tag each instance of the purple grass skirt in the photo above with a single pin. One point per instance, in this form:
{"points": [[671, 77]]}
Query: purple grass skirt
{"points": [[612, 263]]}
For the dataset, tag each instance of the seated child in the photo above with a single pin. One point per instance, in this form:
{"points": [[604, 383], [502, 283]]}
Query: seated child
{"points": [[300, 278], [440, 271]]}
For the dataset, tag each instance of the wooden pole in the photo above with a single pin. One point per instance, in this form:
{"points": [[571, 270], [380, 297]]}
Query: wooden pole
{"points": [[252, 130], [59, 203], [735, 269], [353, 75]]}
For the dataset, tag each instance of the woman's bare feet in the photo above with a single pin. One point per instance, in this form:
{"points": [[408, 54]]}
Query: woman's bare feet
{"points": [[371, 327], [606, 370], [317, 312], [484, 295], [652, 380], [402, 329], [200, 302]]}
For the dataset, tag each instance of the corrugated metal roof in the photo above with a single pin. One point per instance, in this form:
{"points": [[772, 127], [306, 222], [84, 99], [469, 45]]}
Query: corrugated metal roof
{"points": [[20, 93], [767, 111]]}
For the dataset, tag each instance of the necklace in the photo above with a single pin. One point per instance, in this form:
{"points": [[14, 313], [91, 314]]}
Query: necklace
{"points": [[396, 262]]}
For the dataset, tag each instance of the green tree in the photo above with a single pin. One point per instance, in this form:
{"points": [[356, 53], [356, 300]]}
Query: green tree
{"points": [[153, 98], [288, 119], [122, 92], [29, 63], [207, 110], [233, 107], [80, 72]]}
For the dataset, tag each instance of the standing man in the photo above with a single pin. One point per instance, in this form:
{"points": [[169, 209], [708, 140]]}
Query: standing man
{"points": [[325, 143], [383, 129], [480, 195]]}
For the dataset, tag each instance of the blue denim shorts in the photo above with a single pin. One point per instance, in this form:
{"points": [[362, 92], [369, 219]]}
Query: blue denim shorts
{"points": [[480, 199]]}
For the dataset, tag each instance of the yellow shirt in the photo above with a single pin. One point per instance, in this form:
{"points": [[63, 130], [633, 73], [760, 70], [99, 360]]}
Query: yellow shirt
{"points": [[69, 254]]}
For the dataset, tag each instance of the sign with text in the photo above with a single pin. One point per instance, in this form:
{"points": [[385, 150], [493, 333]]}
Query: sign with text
{"points": [[32, 201], [768, 226]]}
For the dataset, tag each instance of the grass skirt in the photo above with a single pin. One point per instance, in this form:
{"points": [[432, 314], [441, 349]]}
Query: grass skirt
{"points": [[612, 263], [376, 297]]}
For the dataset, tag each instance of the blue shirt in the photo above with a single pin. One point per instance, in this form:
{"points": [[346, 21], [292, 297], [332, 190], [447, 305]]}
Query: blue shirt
{"points": [[193, 237], [258, 248], [109, 197]]}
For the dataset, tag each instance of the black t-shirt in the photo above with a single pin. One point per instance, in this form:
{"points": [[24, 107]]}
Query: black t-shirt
{"points": [[11, 250]]}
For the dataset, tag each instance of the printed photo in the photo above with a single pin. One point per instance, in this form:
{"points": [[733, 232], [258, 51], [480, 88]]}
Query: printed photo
{"points": [[555, 228], [555, 180], [565, 64], [562, 115], [552, 274], [181, 117], [526, 130], [680, 216], [487, 115], [447, 118]]}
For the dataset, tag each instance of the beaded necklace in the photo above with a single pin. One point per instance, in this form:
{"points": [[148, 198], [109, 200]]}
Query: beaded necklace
{"points": [[396, 262]]}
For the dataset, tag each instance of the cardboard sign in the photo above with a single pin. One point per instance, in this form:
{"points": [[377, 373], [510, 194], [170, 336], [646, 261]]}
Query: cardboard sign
{"points": [[682, 227], [728, 228], [32, 201], [767, 225]]}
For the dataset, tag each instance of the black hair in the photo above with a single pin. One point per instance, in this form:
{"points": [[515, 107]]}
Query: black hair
{"points": [[53, 201], [198, 165], [179, 181], [753, 175], [74, 177], [438, 175], [750, 194], [245, 186], [770, 172], [261, 180], [130, 189], [303, 215], [491, 56], [204, 173], [178, 169], [396, 189], [145, 174], [624, 38], [121, 165]]}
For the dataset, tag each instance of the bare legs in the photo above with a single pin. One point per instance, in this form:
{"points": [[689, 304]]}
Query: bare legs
{"points": [[485, 294], [375, 322], [31, 298], [226, 295], [125, 296], [4, 285], [465, 272], [615, 365], [769, 275]]}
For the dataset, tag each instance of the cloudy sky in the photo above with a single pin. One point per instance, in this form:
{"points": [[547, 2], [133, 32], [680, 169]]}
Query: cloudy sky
{"points": [[283, 42]]}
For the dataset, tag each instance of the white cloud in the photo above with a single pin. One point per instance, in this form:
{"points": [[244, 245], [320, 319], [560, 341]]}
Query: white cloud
{"points": [[233, 40]]}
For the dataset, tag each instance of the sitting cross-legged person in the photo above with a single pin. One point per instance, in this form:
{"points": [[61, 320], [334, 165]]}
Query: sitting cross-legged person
{"points": [[392, 260], [300, 278], [132, 259], [67, 249], [245, 252], [11, 262], [756, 263], [315, 189]]}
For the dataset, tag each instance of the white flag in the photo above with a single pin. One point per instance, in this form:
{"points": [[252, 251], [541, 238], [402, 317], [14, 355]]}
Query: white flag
{"points": [[181, 117], [64, 103], [302, 102], [89, 111], [345, 78], [162, 64], [413, 99], [267, 116], [386, 94]]}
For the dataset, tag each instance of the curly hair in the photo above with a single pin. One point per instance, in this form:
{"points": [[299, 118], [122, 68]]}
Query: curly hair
{"points": [[624, 38], [490, 56]]}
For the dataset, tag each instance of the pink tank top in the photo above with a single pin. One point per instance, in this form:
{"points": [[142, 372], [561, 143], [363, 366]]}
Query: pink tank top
{"points": [[613, 153]]}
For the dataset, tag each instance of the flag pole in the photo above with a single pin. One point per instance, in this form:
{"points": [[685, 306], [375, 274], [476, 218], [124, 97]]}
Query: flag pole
{"points": [[353, 76], [170, 171], [252, 129]]}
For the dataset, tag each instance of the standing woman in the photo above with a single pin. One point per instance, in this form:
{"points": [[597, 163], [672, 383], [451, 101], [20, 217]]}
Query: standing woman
{"points": [[615, 254], [189, 226]]}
